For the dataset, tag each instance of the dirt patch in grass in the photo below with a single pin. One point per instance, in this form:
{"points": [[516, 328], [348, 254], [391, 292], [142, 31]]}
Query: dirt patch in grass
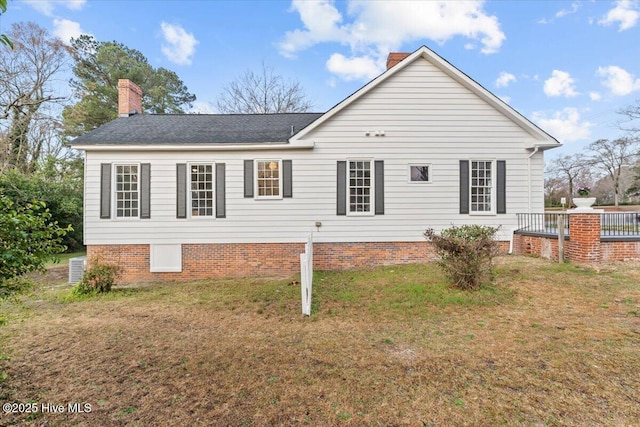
{"points": [[548, 345]]}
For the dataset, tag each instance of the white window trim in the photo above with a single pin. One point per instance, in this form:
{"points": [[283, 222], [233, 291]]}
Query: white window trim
{"points": [[255, 180], [372, 193], [419, 182], [114, 186], [492, 212], [213, 189]]}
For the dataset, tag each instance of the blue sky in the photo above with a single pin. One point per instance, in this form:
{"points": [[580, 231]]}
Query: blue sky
{"points": [[566, 65]]}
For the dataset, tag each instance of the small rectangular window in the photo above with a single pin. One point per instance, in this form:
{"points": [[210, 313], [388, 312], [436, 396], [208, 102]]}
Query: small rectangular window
{"points": [[360, 187], [127, 191], [268, 179], [419, 173], [201, 189], [481, 186]]}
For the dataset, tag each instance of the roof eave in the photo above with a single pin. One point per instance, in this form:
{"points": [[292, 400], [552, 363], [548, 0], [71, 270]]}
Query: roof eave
{"points": [[545, 146], [193, 147]]}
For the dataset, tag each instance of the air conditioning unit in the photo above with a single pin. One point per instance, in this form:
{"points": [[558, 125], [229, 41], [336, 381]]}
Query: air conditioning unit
{"points": [[77, 267]]}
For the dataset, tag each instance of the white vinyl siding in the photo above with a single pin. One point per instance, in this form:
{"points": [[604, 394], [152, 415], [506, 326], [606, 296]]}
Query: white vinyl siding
{"points": [[201, 190], [127, 191], [425, 114]]}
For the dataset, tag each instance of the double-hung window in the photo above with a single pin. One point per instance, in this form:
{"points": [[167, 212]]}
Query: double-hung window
{"points": [[268, 179], [482, 186], [127, 191], [201, 189], [360, 187]]}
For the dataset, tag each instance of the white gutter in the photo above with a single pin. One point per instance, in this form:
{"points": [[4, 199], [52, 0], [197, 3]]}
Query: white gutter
{"points": [[193, 147]]}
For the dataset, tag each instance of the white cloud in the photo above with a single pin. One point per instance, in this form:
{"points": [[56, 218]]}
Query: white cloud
{"points": [[66, 29], [201, 107], [625, 13], [180, 45], [320, 19], [372, 29], [560, 84], [564, 125], [363, 68], [595, 96], [564, 12], [506, 99], [75, 4], [618, 81], [560, 14], [504, 79], [46, 7]]}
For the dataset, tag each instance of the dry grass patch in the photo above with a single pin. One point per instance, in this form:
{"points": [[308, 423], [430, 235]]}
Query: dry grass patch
{"points": [[548, 345]]}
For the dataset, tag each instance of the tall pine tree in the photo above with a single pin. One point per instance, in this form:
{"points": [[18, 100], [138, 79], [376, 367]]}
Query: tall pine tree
{"points": [[97, 68]]}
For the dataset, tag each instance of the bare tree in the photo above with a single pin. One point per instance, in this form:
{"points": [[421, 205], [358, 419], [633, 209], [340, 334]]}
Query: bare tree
{"points": [[262, 93], [631, 122], [555, 188], [568, 169], [612, 157], [27, 89]]}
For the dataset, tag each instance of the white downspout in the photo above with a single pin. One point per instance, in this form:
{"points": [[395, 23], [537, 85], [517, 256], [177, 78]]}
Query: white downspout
{"points": [[535, 150]]}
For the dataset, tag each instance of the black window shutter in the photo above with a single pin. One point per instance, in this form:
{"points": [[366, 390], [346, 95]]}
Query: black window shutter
{"points": [[145, 190], [341, 202], [248, 178], [464, 186], [181, 190], [501, 187], [379, 186], [287, 186], [220, 187], [105, 190]]}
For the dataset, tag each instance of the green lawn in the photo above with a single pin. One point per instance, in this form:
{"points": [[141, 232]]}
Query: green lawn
{"points": [[63, 259], [546, 345]]}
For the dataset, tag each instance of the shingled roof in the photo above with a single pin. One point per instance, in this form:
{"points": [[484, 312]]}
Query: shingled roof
{"points": [[199, 129]]}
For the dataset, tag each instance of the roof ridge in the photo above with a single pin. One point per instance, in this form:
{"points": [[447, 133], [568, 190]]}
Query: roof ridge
{"points": [[224, 114]]}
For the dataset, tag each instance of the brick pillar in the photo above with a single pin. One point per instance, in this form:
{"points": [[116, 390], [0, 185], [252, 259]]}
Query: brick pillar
{"points": [[584, 236]]}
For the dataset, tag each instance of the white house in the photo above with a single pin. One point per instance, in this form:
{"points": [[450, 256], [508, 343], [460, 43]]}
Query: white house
{"points": [[422, 145]]}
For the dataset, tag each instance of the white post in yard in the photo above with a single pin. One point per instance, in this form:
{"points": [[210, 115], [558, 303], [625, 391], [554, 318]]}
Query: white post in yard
{"points": [[306, 275]]}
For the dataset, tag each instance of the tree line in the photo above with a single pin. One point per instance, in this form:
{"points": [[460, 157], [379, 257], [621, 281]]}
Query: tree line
{"points": [[609, 169]]}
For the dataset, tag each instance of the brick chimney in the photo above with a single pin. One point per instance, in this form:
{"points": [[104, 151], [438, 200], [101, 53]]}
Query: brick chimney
{"points": [[129, 98], [395, 57]]}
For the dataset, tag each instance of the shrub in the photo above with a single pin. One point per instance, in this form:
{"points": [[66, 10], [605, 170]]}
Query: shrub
{"points": [[466, 254], [60, 187], [28, 237], [99, 278]]}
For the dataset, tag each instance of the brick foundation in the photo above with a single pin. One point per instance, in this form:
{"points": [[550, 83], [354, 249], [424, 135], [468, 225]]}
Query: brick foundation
{"points": [[201, 261]]}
